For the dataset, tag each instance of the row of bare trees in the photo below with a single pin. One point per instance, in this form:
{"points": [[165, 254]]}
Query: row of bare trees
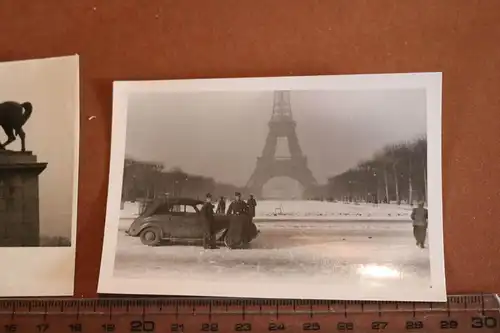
{"points": [[148, 180], [397, 173]]}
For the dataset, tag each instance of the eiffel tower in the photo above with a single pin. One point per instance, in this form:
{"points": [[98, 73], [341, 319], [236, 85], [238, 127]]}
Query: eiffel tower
{"points": [[268, 165]]}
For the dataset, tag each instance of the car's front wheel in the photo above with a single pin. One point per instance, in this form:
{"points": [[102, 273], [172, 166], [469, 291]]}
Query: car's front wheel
{"points": [[151, 236]]}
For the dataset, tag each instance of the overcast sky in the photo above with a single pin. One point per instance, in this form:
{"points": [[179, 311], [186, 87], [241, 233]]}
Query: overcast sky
{"points": [[221, 134]]}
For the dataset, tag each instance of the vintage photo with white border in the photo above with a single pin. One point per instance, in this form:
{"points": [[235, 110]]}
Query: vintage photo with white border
{"points": [[315, 187], [39, 148]]}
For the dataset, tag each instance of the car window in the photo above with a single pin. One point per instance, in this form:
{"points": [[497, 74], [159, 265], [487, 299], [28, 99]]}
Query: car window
{"points": [[163, 209], [176, 209], [169, 209], [189, 209]]}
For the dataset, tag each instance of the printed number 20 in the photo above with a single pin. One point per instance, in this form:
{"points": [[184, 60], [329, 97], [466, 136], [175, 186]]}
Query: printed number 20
{"points": [[142, 326]]}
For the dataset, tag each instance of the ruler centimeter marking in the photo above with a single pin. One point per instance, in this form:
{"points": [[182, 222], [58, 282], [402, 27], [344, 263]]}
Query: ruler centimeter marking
{"points": [[67, 306], [463, 313]]}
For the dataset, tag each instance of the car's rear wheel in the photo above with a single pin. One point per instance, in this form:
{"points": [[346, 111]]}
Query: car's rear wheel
{"points": [[151, 236], [231, 244], [228, 242]]}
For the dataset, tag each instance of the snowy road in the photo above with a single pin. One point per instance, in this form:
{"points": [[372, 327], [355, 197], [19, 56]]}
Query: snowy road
{"points": [[378, 253]]}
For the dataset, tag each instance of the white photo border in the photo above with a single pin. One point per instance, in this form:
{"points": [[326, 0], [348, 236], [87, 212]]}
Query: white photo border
{"points": [[430, 81], [46, 271]]}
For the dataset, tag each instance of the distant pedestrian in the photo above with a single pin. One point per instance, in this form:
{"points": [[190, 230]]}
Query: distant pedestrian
{"points": [[252, 203], [420, 217], [207, 212], [221, 206]]}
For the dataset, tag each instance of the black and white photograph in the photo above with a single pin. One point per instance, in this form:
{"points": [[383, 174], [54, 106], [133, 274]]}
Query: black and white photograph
{"points": [[319, 187], [39, 137]]}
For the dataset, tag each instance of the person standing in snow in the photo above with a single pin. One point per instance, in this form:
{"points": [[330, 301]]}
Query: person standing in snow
{"points": [[207, 212], [252, 203], [420, 217], [221, 206], [238, 212]]}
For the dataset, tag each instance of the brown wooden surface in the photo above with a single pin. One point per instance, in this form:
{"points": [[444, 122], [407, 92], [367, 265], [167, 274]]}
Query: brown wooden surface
{"points": [[166, 39]]}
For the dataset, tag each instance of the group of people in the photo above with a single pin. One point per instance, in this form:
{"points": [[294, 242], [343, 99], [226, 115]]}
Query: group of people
{"points": [[236, 207]]}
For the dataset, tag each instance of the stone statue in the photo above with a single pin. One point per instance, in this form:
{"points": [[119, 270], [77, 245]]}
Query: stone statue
{"points": [[13, 116], [19, 172]]}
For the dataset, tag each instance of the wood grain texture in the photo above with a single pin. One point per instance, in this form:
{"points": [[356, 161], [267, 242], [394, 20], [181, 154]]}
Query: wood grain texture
{"points": [[166, 39]]}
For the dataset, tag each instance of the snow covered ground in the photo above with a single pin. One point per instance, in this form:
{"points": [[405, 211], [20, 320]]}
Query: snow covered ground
{"points": [[356, 252], [323, 210], [377, 250], [381, 254], [314, 211]]}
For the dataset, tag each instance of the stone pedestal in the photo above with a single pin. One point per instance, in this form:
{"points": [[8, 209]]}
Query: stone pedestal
{"points": [[19, 202]]}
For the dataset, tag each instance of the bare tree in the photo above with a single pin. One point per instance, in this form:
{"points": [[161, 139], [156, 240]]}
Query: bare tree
{"points": [[383, 160], [395, 170]]}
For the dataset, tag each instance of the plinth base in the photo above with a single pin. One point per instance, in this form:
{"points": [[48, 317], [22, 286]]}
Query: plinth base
{"points": [[19, 202]]}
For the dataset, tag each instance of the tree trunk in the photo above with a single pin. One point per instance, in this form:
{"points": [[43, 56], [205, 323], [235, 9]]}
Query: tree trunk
{"points": [[396, 183], [386, 185], [377, 198], [410, 187]]}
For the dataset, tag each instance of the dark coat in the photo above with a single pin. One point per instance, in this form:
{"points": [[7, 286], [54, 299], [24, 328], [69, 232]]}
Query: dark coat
{"points": [[251, 206], [237, 207], [420, 234], [207, 212], [419, 217]]}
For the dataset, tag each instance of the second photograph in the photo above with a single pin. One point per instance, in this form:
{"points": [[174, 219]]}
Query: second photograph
{"points": [[305, 187]]}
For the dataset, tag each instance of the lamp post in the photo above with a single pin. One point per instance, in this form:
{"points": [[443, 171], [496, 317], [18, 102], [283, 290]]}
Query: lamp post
{"points": [[349, 199], [377, 188], [134, 188], [176, 183], [181, 187]]}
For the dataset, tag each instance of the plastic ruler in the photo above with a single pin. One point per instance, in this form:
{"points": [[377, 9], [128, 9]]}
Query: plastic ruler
{"points": [[462, 313]]}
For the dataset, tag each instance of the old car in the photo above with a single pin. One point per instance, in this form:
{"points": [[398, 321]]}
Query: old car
{"points": [[180, 220]]}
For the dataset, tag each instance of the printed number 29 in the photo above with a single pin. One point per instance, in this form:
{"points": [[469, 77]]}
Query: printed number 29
{"points": [[448, 324]]}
